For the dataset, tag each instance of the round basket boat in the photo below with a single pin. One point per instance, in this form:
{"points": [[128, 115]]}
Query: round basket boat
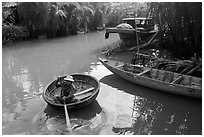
{"points": [[82, 82]]}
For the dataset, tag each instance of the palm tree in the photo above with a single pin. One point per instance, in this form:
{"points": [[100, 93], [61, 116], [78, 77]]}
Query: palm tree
{"points": [[98, 19], [118, 10], [34, 15], [57, 21], [87, 19], [183, 22]]}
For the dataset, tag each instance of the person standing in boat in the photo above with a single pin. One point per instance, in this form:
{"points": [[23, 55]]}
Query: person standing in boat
{"points": [[67, 90]]}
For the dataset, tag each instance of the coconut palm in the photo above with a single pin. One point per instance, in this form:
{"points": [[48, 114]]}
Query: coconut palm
{"points": [[10, 30], [68, 10], [34, 15], [76, 19], [8, 15], [183, 22], [98, 19], [57, 21], [88, 18], [119, 10]]}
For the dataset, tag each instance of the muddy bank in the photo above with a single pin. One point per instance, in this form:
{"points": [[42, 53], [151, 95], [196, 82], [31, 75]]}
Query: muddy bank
{"points": [[155, 57]]}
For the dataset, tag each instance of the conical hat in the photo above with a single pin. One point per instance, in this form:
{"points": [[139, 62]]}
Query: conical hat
{"points": [[69, 78]]}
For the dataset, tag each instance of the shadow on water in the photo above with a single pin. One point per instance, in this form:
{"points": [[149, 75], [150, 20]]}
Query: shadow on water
{"points": [[145, 92], [156, 112], [85, 113], [87, 120]]}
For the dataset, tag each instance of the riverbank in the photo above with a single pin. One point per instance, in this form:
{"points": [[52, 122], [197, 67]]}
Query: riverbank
{"points": [[159, 58], [119, 48]]}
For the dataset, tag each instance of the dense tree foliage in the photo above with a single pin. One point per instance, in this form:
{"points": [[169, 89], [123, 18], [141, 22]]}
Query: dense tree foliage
{"points": [[53, 19], [182, 22], [179, 23], [33, 15]]}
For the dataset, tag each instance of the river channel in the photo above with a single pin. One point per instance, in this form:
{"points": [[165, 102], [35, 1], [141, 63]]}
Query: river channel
{"points": [[120, 108]]}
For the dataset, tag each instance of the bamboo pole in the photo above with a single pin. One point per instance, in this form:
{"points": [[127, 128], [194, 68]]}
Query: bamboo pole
{"points": [[145, 44]]}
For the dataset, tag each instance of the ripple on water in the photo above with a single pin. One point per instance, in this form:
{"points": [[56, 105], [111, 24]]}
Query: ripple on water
{"points": [[46, 125]]}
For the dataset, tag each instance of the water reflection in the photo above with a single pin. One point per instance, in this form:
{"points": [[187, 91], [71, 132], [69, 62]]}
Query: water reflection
{"points": [[87, 120], [154, 112], [18, 87], [24, 84], [17, 121]]}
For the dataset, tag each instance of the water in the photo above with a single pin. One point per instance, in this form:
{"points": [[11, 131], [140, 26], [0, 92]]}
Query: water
{"points": [[120, 108]]}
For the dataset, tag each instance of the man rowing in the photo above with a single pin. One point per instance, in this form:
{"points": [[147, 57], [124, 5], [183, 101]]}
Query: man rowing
{"points": [[67, 90]]}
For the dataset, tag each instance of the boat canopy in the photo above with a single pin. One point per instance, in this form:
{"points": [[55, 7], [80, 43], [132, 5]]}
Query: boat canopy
{"points": [[142, 22]]}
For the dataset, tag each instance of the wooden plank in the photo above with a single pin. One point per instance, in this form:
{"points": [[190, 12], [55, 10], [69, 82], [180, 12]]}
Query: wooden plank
{"points": [[84, 96], [171, 76], [191, 71], [145, 71], [157, 73], [164, 77], [190, 80], [168, 77], [136, 66], [84, 92], [177, 80], [119, 66]]}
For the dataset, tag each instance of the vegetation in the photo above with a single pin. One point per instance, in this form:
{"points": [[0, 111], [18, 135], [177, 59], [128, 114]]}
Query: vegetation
{"points": [[10, 30], [54, 19], [13, 33], [179, 23], [117, 11]]}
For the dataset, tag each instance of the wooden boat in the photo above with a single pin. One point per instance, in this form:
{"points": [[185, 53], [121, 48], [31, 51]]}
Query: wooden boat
{"points": [[156, 79], [81, 82], [145, 30]]}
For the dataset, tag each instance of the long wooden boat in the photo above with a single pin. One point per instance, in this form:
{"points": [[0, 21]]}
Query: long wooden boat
{"points": [[156, 79], [81, 82]]}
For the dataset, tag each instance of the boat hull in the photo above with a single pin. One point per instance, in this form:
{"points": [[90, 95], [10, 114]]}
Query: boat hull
{"points": [[156, 83], [81, 81], [128, 36]]}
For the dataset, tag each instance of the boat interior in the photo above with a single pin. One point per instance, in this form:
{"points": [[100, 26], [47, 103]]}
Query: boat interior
{"points": [[81, 83], [161, 75]]}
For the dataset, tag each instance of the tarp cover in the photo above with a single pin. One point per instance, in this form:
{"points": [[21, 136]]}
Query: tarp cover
{"points": [[124, 26]]}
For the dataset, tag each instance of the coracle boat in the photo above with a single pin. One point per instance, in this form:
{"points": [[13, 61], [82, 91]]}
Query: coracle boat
{"points": [[156, 79], [87, 90]]}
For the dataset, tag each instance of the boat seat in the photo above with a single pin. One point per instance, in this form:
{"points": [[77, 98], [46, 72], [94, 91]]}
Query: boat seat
{"points": [[119, 66], [177, 80], [145, 71], [136, 66]]}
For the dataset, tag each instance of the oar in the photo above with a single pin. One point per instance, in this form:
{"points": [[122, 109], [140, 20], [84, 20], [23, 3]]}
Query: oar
{"points": [[67, 118], [69, 128]]}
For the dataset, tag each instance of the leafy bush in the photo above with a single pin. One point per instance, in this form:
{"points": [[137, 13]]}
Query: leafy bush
{"points": [[12, 33], [52, 19], [183, 24], [34, 15]]}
